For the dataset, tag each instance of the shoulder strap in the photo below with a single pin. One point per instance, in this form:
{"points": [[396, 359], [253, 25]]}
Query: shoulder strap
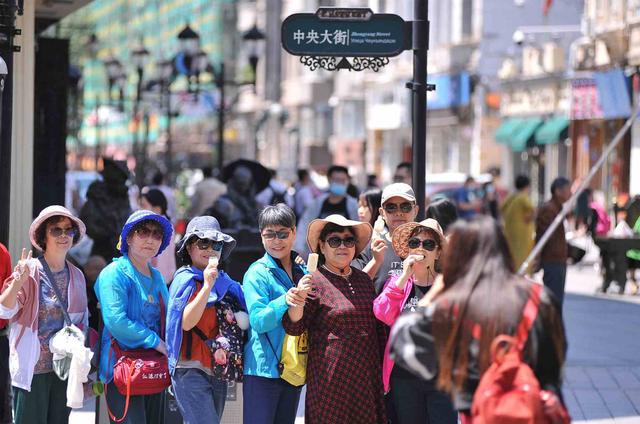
{"points": [[52, 284], [529, 315]]}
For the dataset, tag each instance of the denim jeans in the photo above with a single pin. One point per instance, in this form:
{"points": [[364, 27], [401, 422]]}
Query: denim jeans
{"points": [[200, 396], [143, 409], [418, 401], [554, 279], [269, 400]]}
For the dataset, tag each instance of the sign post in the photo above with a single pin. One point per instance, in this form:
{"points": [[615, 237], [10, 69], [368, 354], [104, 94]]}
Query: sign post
{"points": [[327, 38]]}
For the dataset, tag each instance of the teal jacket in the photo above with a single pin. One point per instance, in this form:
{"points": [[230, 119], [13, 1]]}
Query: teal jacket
{"points": [[265, 285], [122, 298]]}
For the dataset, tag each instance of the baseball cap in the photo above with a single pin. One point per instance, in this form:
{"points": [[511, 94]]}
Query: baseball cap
{"points": [[398, 190]]}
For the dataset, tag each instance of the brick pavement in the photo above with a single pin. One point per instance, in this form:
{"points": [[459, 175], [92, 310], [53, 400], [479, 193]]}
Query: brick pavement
{"points": [[602, 376]]}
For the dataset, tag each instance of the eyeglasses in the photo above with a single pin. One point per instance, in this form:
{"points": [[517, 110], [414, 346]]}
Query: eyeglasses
{"points": [[205, 244], [281, 235], [427, 244], [404, 207], [335, 242], [57, 231], [146, 232]]}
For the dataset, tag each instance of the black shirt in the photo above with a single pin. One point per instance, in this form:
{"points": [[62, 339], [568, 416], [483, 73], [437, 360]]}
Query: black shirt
{"points": [[329, 208], [391, 265], [296, 271], [414, 298]]}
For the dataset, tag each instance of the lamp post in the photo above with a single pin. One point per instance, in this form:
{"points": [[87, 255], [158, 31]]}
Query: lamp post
{"points": [[116, 78], [93, 45], [165, 69], [139, 57]]}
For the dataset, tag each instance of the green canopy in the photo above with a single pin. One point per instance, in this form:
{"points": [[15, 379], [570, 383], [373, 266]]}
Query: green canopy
{"points": [[507, 129], [524, 133], [554, 130]]}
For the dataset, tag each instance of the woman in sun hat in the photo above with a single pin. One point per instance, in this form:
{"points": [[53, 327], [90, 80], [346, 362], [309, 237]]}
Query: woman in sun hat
{"points": [[420, 245], [344, 376], [133, 299], [29, 298], [207, 311]]}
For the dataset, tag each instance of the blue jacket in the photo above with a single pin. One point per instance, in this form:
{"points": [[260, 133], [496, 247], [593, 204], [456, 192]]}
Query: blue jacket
{"points": [[122, 298], [181, 290], [265, 285]]}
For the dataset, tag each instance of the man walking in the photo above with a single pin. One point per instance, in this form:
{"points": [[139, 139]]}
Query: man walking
{"points": [[336, 201], [554, 254]]}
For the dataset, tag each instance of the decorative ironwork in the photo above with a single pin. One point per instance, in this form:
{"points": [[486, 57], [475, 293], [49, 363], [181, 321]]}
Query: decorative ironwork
{"points": [[356, 64], [315, 62], [373, 63]]}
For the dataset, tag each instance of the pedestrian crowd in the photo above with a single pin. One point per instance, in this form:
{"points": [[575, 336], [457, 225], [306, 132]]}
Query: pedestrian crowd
{"points": [[384, 319]]}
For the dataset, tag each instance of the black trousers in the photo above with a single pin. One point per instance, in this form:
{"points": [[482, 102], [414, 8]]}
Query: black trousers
{"points": [[5, 382]]}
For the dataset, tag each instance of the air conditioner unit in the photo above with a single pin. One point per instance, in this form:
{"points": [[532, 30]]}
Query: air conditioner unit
{"points": [[553, 58], [602, 57], [531, 61]]}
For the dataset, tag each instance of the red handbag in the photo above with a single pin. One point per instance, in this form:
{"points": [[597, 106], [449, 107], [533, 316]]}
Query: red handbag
{"points": [[139, 371]]}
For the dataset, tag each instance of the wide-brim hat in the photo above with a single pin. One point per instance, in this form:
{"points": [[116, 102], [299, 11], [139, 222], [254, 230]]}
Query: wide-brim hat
{"points": [[259, 174], [401, 235], [363, 231], [207, 227], [51, 211], [145, 215]]}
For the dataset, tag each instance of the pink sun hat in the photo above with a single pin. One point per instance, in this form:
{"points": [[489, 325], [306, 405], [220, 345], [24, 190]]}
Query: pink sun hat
{"points": [[48, 212]]}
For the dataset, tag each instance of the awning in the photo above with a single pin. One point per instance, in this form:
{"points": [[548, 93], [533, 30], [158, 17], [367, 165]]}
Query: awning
{"points": [[613, 94], [524, 134], [507, 129], [552, 131]]}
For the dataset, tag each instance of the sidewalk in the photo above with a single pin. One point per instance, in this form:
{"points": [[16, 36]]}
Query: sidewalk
{"points": [[602, 376]]}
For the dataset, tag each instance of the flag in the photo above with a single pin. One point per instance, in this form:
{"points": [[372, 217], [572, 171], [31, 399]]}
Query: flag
{"points": [[546, 6]]}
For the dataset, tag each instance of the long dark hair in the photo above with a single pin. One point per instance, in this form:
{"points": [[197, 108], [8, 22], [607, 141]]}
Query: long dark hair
{"points": [[373, 199], [480, 288]]}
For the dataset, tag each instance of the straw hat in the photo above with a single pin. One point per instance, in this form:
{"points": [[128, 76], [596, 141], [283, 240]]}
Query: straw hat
{"points": [[363, 231], [49, 212], [401, 235]]}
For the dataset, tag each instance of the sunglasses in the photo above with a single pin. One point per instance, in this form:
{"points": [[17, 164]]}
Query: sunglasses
{"points": [[146, 232], [57, 231], [205, 244], [404, 207], [281, 235], [335, 242], [427, 244]]}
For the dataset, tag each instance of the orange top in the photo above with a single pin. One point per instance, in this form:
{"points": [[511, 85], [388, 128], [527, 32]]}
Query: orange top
{"points": [[208, 324]]}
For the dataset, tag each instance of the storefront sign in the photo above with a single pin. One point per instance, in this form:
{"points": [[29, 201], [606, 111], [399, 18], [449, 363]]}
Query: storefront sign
{"points": [[584, 100]]}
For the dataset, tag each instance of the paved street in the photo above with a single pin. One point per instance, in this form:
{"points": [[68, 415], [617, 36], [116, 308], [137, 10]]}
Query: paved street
{"points": [[602, 382]]}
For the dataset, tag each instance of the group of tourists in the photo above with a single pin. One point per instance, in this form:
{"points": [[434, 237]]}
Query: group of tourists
{"points": [[445, 287]]}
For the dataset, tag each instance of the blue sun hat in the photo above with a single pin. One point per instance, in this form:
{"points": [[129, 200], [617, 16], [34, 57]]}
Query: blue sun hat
{"points": [[145, 215], [207, 227]]}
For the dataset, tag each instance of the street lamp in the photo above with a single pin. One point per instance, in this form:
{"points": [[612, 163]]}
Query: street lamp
{"points": [[253, 38], [115, 77], [165, 74], [139, 57]]}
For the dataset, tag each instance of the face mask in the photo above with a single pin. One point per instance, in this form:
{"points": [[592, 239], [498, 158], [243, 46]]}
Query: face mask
{"points": [[338, 189]]}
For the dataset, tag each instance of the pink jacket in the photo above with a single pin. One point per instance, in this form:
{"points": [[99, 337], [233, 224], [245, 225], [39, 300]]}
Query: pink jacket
{"points": [[23, 337], [387, 307]]}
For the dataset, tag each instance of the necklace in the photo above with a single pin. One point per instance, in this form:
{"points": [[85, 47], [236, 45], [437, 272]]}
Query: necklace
{"points": [[344, 276]]}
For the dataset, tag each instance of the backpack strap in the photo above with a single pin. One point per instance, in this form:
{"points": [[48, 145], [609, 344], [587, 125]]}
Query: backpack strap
{"points": [[529, 315]]}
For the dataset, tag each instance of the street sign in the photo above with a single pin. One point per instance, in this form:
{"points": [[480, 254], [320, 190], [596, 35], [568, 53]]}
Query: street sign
{"points": [[355, 32]]}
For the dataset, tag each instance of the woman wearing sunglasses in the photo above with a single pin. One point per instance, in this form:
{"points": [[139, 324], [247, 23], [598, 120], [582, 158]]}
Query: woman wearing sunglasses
{"points": [[198, 296], [420, 245], [270, 286], [344, 376], [133, 298], [29, 299]]}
